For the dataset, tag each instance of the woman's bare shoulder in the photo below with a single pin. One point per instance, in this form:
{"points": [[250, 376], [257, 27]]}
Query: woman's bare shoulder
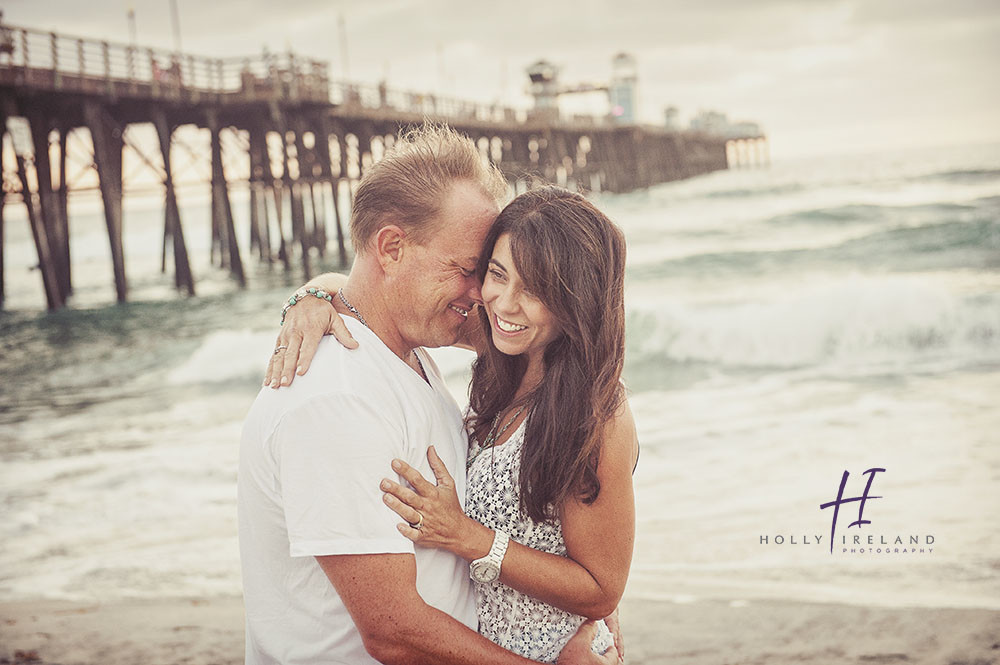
{"points": [[620, 443]]}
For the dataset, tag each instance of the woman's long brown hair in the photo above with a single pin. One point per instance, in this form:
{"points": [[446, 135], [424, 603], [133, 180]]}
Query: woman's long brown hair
{"points": [[571, 257]]}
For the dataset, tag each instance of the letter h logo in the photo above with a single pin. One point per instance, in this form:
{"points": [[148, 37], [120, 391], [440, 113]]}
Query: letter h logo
{"points": [[860, 499]]}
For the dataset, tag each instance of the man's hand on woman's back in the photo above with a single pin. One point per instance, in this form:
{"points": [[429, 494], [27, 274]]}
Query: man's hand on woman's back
{"points": [[577, 651]]}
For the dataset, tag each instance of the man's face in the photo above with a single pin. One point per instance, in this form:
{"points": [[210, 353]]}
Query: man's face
{"points": [[436, 285]]}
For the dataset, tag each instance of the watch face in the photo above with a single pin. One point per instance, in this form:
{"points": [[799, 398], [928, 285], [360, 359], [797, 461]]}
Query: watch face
{"points": [[484, 571]]}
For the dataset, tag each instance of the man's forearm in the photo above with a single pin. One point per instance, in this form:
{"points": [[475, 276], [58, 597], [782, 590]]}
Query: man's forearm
{"points": [[397, 626], [433, 637], [330, 282]]}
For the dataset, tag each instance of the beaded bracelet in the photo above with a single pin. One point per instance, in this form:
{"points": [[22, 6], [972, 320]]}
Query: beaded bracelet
{"points": [[300, 295]]}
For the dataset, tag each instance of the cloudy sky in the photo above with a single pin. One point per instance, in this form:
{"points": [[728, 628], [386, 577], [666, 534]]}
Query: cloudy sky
{"points": [[821, 76]]}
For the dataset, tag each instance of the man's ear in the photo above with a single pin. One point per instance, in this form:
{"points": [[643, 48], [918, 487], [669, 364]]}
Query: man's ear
{"points": [[389, 244]]}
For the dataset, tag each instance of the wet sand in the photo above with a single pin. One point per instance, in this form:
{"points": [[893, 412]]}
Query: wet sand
{"points": [[706, 632]]}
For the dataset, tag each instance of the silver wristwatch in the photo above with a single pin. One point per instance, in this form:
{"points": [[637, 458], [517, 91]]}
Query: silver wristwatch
{"points": [[487, 569]]}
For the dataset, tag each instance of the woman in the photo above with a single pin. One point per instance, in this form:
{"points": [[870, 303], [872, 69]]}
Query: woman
{"points": [[552, 442]]}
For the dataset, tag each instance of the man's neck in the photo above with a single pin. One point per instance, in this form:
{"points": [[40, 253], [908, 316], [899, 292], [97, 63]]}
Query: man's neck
{"points": [[372, 306]]}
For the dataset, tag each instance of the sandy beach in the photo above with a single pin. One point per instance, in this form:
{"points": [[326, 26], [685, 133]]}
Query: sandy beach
{"points": [[697, 633]]}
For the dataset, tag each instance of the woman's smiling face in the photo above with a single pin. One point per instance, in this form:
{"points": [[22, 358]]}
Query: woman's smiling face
{"points": [[519, 321]]}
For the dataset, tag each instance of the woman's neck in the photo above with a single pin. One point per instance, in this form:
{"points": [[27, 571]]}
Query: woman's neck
{"points": [[532, 377]]}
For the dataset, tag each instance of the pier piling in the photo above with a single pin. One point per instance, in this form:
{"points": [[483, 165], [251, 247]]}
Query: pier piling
{"points": [[224, 230], [260, 176], [47, 203], [49, 279], [172, 228], [3, 201], [107, 137], [62, 199]]}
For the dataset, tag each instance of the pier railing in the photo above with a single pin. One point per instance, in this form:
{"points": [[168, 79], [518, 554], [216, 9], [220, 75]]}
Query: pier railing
{"points": [[58, 62]]}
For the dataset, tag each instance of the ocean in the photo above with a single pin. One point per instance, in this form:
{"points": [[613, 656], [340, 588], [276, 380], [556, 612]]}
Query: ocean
{"points": [[785, 325]]}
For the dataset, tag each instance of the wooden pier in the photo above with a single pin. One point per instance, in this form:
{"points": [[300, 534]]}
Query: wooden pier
{"points": [[326, 134]]}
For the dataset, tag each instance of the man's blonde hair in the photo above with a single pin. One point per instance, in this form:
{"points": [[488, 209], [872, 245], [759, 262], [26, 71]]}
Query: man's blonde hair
{"points": [[407, 185]]}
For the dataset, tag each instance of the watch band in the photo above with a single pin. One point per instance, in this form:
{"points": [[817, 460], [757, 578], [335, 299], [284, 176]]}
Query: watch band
{"points": [[499, 549], [487, 568]]}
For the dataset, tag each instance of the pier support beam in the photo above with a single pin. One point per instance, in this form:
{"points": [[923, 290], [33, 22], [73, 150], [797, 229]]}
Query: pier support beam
{"points": [[48, 204], [335, 186], [63, 200], [183, 279], [278, 196], [107, 138], [294, 195], [316, 191], [217, 255], [306, 159], [222, 211], [299, 224], [300, 189], [50, 284], [260, 175], [3, 200], [278, 122]]}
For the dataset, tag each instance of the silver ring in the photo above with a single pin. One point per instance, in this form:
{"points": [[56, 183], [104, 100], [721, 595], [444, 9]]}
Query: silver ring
{"points": [[419, 523], [279, 349]]}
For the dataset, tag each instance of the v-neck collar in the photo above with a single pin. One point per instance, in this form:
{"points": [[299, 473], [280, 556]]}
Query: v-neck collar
{"points": [[517, 432], [355, 327]]}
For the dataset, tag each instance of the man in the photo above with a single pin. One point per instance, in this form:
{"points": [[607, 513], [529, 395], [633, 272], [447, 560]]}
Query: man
{"points": [[327, 577]]}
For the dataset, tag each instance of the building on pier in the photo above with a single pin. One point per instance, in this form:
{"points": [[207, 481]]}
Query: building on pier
{"points": [[746, 144], [672, 118], [545, 89], [622, 90]]}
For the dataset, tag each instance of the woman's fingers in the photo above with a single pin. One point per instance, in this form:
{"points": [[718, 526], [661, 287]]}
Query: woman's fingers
{"points": [[311, 337], [409, 532], [404, 494], [282, 362], [310, 342], [614, 625], [409, 514], [272, 361], [278, 359], [444, 478], [417, 481], [305, 324], [339, 330], [290, 357], [577, 650], [611, 656], [587, 631]]}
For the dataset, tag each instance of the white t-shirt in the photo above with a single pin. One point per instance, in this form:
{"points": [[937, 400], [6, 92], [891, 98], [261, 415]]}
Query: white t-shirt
{"points": [[311, 459]]}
